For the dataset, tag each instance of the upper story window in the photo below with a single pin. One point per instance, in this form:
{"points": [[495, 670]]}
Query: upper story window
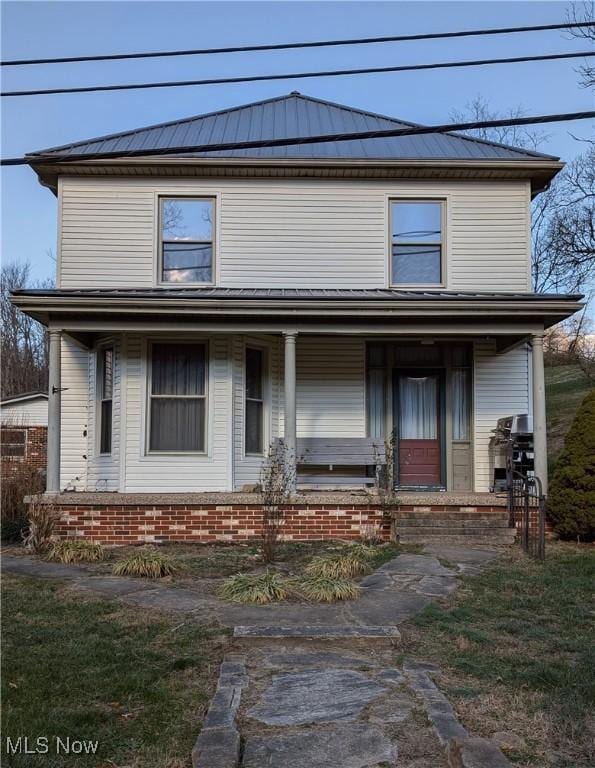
{"points": [[416, 242], [105, 386], [186, 239]]}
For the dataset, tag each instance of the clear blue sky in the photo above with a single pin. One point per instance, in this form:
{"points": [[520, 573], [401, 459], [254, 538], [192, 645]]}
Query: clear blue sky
{"points": [[37, 29]]}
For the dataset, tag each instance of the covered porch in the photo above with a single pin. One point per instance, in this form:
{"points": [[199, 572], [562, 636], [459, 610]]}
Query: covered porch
{"points": [[434, 370]]}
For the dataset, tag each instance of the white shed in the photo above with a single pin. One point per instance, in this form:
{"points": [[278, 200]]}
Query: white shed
{"points": [[28, 410]]}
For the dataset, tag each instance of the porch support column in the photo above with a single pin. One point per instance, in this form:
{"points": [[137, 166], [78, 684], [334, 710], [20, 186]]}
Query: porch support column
{"points": [[54, 412], [290, 428], [539, 424]]}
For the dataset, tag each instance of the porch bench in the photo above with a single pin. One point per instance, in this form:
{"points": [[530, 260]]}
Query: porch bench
{"points": [[340, 452]]}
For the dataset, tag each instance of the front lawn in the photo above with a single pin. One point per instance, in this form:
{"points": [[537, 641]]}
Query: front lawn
{"points": [[88, 668], [517, 647]]}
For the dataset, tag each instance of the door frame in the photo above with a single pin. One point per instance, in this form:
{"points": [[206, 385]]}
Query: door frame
{"points": [[419, 371]]}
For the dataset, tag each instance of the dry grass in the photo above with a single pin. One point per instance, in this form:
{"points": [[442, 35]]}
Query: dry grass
{"points": [[255, 588], [137, 681], [516, 652], [328, 589], [339, 566], [147, 563], [75, 551]]}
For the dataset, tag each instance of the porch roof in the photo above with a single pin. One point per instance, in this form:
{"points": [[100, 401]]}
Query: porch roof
{"points": [[280, 307]]}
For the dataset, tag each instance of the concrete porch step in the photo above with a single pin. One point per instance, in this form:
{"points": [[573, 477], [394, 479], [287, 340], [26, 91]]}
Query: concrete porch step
{"points": [[451, 514], [317, 632], [429, 521], [461, 536]]}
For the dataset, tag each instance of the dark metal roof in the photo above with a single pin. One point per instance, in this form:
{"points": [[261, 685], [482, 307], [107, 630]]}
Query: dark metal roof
{"points": [[298, 115], [301, 294]]}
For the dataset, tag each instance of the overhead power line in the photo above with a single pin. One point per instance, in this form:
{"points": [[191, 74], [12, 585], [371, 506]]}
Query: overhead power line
{"points": [[300, 75], [55, 157], [289, 46]]}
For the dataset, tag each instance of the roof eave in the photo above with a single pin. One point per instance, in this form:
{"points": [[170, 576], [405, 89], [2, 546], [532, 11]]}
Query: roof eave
{"points": [[539, 171], [549, 310]]}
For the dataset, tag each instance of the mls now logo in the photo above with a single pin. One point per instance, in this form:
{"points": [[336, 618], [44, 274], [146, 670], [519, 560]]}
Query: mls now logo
{"points": [[42, 745]]}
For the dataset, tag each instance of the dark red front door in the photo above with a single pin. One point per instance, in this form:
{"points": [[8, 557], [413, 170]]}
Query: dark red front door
{"points": [[419, 444], [419, 462]]}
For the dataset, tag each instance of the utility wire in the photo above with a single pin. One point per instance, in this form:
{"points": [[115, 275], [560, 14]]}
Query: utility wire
{"points": [[300, 75], [55, 157], [288, 46]]}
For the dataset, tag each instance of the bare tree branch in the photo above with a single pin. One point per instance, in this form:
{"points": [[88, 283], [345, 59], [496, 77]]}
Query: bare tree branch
{"points": [[23, 345]]}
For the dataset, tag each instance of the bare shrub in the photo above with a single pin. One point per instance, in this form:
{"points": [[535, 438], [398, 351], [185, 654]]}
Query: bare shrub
{"points": [[277, 479], [41, 519], [371, 533], [19, 479], [386, 496]]}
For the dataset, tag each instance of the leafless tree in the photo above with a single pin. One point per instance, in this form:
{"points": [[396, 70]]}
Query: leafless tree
{"points": [[23, 344], [580, 12], [563, 216]]}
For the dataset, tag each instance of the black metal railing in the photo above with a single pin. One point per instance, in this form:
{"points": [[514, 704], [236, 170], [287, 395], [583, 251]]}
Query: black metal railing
{"points": [[526, 506]]}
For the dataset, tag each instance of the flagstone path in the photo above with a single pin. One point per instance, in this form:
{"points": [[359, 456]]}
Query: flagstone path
{"points": [[316, 686]]}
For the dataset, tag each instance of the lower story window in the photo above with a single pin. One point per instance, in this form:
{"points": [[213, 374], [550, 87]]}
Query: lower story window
{"points": [[106, 388], [177, 398], [254, 401]]}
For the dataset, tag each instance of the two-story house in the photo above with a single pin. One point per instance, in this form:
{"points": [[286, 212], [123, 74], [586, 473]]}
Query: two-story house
{"points": [[208, 303]]}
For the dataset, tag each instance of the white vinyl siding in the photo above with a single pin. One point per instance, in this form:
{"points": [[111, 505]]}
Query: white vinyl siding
{"points": [[501, 389], [32, 413], [330, 386], [315, 233], [330, 403], [75, 414]]}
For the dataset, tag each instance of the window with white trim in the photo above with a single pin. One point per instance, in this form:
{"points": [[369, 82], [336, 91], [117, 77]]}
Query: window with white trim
{"points": [[105, 392], [254, 428], [186, 227], [416, 242], [178, 397]]}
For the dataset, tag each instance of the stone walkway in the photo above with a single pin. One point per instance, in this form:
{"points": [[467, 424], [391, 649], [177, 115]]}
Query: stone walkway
{"points": [[316, 686], [393, 593]]}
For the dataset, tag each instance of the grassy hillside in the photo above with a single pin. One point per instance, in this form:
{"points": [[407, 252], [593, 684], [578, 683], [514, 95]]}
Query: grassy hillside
{"points": [[565, 387]]}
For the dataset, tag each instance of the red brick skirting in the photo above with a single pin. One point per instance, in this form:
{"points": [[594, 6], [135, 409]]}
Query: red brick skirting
{"points": [[214, 522], [138, 523]]}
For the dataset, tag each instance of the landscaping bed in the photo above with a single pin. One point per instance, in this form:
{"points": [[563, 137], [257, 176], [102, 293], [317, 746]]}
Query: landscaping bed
{"points": [[207, 565], [517, 654], [88, 668]]}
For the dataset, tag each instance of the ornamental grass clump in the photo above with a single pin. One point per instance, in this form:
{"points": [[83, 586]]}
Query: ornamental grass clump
{"points": [[147, 563], [75, 551], [255, 588], [339, 566], [328, 589], [364, 552]]}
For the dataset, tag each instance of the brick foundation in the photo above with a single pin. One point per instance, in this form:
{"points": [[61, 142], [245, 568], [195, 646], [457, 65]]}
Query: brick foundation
{"points": [[208, 523], [214, 523]]}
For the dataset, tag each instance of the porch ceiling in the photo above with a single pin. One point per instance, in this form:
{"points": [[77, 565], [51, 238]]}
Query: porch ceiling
{"points": [[301, 309]]}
